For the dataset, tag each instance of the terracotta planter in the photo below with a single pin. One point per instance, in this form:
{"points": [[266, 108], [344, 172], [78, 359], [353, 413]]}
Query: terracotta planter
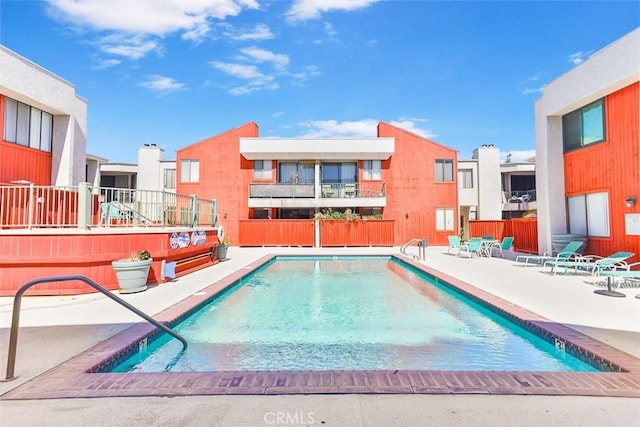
{"points": [[132, 275]]}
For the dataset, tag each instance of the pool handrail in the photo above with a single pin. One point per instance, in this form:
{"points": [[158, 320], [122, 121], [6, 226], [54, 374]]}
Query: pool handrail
{"points": [[15, 320]]}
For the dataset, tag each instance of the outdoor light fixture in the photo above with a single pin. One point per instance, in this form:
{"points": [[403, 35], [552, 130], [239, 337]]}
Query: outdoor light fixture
{"points": [[631, 200]]}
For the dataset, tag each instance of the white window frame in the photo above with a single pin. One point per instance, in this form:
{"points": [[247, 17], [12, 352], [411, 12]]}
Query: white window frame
{"points": [[588, 214], [372, 170], [444, 170], [445, 219], [463, 174], [189, 170]]}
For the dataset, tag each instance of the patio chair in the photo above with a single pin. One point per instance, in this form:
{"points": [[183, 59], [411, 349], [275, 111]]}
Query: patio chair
{"points": [[350, 190], [592, 263], [629, 271], [327, 190], [505, 245], [472, 247], [567, 253], [454, 243], [109, 212]]}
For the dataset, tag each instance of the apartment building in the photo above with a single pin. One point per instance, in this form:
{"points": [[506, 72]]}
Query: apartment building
{"points": [[587, 151]]}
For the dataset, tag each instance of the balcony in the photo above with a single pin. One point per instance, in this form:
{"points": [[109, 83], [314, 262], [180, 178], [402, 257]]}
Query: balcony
{"points": [[322, 196], [519, 200]]}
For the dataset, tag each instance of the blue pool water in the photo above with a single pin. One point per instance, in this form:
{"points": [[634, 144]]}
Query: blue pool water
{"points": [[348, 313]]}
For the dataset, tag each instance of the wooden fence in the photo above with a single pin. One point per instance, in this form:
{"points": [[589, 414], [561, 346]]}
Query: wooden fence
{"points": [[523, 230], [356, 233], [276, 232], [301, 232]]}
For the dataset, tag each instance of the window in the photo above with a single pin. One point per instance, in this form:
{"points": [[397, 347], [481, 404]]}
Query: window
{"points": [[583, 126], [372, 170], [189, 170], [465, 178], [262, 170], [169, 178], [27, 126], [444, 170], [589, 214], [339, 173], [444, 219], [296, 173]]}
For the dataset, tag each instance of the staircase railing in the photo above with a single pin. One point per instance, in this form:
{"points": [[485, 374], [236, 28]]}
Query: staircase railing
{"points": [[15, 321]]}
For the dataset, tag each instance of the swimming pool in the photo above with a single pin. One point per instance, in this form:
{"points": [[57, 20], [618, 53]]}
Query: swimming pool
{"points": [[347, 313]]}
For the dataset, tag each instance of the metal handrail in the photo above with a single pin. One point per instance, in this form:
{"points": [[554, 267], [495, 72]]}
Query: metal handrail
{"points": [[421, 250], [15, 320]]}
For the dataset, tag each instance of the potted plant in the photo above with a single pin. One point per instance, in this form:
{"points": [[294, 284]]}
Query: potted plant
{"points": [[132, 272], [223, 247]]}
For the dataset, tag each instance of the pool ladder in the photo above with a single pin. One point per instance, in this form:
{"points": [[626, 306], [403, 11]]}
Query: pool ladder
{"points": [[15, 321], [422, 248]]}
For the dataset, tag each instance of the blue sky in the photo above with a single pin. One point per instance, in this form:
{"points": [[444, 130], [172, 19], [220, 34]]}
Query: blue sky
{"points": [[174, 72]]}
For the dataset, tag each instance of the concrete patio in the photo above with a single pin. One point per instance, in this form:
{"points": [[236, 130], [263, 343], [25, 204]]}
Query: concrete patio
{"points": [[58, 328]]}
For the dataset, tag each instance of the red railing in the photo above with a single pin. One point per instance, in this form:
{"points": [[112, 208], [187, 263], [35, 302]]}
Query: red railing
{"points": [[523, 230]]}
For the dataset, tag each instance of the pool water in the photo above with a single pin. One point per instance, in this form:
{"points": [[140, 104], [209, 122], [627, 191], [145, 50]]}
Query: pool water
{"points": [[348, 314]]}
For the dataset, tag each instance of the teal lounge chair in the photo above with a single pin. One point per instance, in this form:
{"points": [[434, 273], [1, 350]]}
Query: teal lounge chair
{"points": [[625, 273], [472, 247], [567, 253], [505, 245], [592, 263], [454, 243]]}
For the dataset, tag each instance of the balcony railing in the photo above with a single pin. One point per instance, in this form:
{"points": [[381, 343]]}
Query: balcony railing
{"points": [[32, 206], [520, 196], [333, 190]]}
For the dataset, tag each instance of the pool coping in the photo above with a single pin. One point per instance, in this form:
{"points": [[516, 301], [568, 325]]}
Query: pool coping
{"points": [[78, 377]]}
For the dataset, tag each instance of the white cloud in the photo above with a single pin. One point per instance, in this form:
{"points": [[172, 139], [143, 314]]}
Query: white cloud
{"points": [[134, 47], [161, 84], [146, 20], [532, 84], [256, 80], [577, 58], [107, 63], [303, 10], [261, 55], [365, 128], [259, 32], [517, 156]]}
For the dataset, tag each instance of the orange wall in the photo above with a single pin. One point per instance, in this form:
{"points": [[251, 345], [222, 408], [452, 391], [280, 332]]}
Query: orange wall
{"points": [[411, 187], [612, 166], [22, 163], [224, 175], [26, 257]]}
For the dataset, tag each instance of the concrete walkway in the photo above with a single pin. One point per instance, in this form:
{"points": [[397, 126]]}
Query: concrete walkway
{"points": [[53, 329]]}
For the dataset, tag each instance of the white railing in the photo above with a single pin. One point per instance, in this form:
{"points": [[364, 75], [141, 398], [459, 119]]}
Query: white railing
{"points": [[32, 206]]}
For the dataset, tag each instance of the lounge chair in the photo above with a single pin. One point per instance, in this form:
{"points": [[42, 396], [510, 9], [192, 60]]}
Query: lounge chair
{"points": [[625, 273], [454, 243], [505, 245], [472, 247], [567, 253], [592, 263]]}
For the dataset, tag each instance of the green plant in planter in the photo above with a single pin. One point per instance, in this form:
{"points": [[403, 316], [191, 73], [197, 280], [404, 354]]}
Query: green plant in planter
{"points": [[139, 255]]}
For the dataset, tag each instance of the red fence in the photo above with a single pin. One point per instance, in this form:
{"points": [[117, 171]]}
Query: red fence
{"points": [[300, 232], [523, 230], [356, 233], [276, 232]]}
